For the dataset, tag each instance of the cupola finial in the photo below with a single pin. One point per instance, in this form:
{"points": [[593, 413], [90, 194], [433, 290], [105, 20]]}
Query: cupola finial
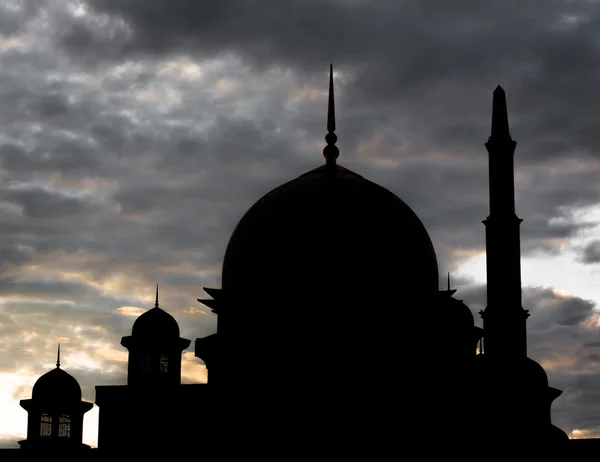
{"points": [[58, 356], [331, 151], [156, 302]]}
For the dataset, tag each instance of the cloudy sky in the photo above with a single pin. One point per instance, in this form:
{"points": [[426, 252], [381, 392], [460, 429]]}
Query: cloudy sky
{"points": [[134, 135]]}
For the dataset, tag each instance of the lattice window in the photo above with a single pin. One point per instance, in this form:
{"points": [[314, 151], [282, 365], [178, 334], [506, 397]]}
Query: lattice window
{"points": [[164, 364], [46, 426], [64, 426]]}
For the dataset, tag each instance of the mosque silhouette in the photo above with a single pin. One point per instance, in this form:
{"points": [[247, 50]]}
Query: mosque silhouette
{"points": [[321, 348]]}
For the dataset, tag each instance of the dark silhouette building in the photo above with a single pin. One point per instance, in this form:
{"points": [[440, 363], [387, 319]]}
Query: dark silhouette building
{"points": [[154, 414], [333, 336]]}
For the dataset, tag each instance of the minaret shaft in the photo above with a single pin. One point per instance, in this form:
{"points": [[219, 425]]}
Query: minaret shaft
{"points": [[504, 317]]}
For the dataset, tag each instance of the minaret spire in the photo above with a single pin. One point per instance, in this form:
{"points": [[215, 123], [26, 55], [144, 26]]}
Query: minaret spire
{"points": [[500, 129], [58, 356], [448, 281], [331, 151], [156, 302]]}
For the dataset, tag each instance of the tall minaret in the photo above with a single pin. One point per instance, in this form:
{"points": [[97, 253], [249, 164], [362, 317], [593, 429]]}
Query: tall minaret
{"points": [[504, 317]]}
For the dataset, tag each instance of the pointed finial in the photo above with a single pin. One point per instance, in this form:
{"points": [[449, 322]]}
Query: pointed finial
{"points": [[448, 281], [58, 357], [500, 128], [331, 151], [156, 302]]}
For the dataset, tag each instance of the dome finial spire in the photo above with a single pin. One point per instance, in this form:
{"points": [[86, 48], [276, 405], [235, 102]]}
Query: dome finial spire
{"points": [[156, 302], [448, 281], [58, 356], [331, 151]]}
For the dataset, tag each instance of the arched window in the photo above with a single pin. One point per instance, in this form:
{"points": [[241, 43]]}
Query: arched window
{"points": [[46, 426], [164, 364], [64, 426]]}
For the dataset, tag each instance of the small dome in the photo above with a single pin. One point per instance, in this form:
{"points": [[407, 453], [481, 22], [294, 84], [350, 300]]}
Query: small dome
{"points": [[57, 386], [530, 375], [526, 375], [536, 373], [454, 313], [156, 324]]}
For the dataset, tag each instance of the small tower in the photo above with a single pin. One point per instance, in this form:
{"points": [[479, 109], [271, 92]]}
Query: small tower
{"points": [[154, 415], [55, 416], [154, 349]]}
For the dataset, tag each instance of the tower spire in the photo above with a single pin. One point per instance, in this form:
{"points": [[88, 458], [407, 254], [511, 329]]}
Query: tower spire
{"points": [[331, 151], [500, 129], [504, 317], [448, 281], [58, 356], [156, 302]]}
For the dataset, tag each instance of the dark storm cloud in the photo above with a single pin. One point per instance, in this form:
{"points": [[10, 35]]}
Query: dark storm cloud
{"points": [[591, 252], [451, 114], [431, 59]]}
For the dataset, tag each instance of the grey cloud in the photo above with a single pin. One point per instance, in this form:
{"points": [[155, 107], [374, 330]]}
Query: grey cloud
{"points": [[40, 203], [15, 16]]}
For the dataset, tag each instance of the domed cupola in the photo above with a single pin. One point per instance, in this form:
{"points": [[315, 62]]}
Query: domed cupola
{"points": [[56, 386], [332, 231], [334, 244], [155, 349], [55, 411], [155, 325]]}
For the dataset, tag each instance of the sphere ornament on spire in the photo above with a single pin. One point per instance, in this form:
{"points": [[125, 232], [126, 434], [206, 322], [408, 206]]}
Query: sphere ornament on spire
{"points": [[331, 151]]}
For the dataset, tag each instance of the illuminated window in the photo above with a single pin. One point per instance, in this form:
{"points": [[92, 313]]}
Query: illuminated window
{"points": [[46, 426], [164, 364], [64, 426]]}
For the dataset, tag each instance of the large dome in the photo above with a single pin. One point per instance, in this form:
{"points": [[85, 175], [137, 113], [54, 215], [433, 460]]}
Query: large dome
{"points": [[330, 230], [56, 386]]}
